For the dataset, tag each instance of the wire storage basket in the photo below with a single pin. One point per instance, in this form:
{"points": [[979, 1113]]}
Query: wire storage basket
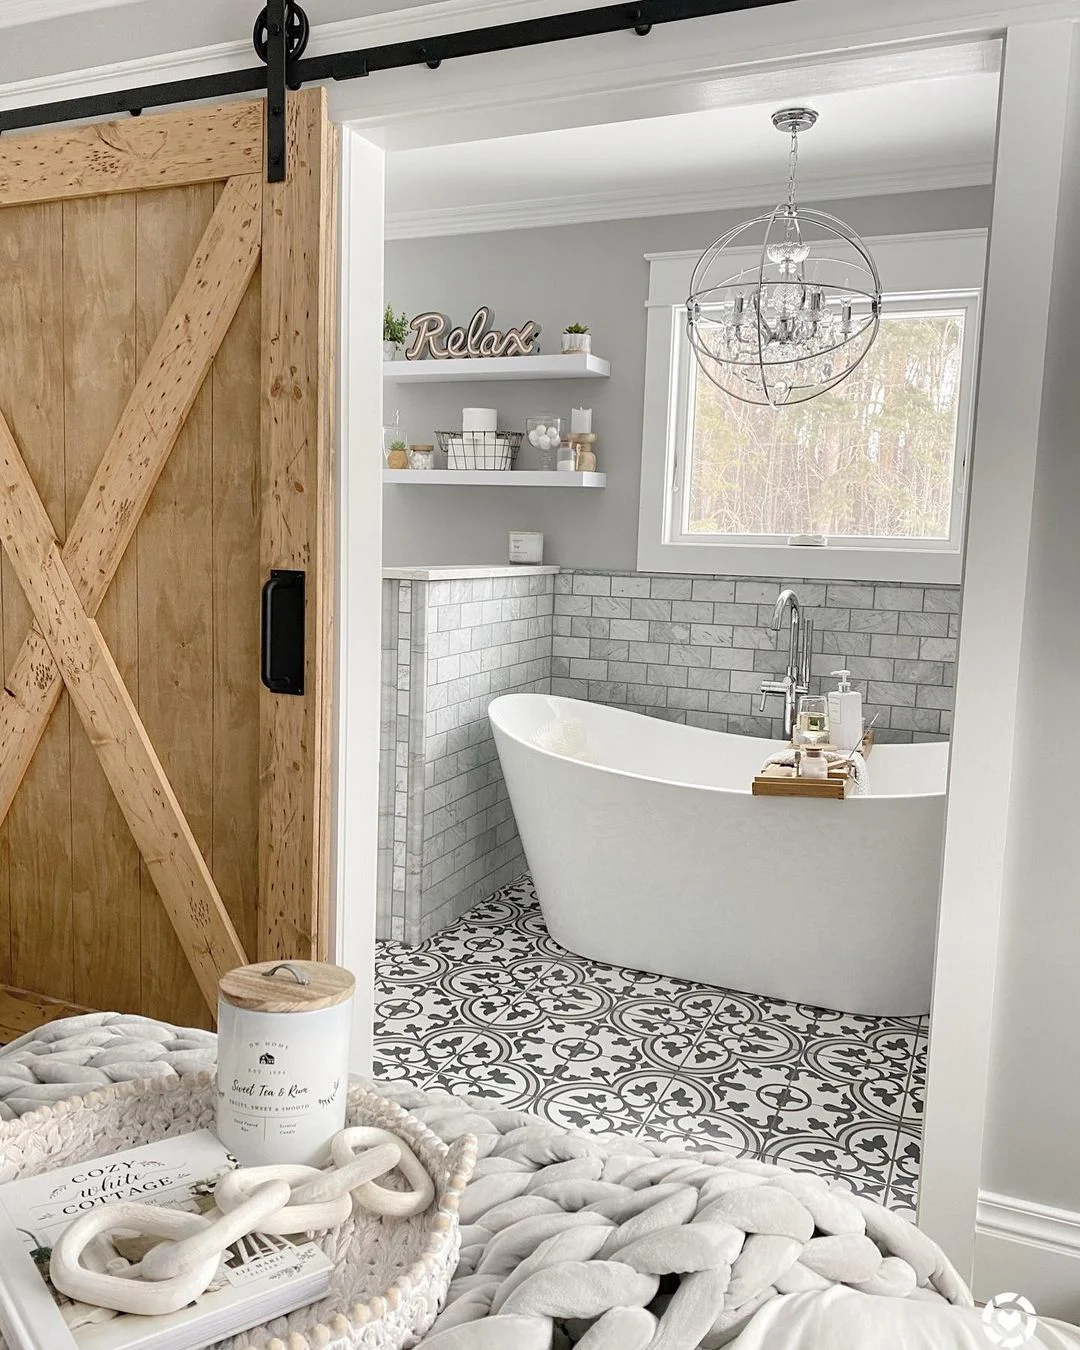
{"points": [[480, 449]]}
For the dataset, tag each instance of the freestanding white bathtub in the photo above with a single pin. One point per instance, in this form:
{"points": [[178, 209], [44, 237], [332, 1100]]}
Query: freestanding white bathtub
{"points": [[658, 857]]}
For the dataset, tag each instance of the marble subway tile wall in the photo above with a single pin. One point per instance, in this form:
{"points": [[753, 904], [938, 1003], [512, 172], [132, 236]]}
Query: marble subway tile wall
{"points": [[696, 649], [447, 834], [688, 649]]}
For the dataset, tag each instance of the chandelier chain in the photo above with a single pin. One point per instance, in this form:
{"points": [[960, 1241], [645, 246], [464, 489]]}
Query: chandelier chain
{"points": [[793, 167]]}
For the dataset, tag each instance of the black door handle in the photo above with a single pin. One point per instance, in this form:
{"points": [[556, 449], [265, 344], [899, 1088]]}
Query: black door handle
{"points": [[283, 632]]}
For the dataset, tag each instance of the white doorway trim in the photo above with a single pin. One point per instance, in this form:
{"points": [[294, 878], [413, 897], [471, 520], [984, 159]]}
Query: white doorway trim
{"points": [[408, 111], [1033, 123], [359, 578]]}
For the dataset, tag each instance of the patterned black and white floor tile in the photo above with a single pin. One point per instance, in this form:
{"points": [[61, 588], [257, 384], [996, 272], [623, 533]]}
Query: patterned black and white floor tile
{"points": [[494, 1008]]}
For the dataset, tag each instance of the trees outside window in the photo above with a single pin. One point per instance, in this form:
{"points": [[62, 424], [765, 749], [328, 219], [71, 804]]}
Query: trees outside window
{"points": [[874, 458]]}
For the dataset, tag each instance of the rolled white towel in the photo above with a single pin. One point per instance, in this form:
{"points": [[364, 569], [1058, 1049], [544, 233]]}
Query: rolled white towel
{"points": [[860, 772], [566, 736]]}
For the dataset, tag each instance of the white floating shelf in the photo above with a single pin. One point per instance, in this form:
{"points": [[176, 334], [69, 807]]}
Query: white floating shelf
{"points": [[494, 477], [573, 367]]}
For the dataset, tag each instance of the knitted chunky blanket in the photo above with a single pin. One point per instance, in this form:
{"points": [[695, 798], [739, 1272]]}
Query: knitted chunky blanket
{"points": [[74, 1056], [609, 1243], [618, 1244]]}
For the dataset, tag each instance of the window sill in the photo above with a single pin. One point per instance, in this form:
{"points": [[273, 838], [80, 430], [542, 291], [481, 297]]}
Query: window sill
{"points": [[833, 562]]}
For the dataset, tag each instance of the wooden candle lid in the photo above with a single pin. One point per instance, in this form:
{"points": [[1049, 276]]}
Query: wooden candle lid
{"points": [[258, 990]]}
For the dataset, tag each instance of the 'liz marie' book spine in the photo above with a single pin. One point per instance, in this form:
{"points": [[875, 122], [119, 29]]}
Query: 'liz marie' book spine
{"points": [[34, 1211]]}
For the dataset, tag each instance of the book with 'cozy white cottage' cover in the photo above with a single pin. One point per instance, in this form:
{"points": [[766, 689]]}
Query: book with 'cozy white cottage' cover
{"points": [[261, 1276]]}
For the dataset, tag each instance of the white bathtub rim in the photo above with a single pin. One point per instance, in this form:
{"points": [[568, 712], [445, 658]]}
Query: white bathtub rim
{"points": [[769, 746]]}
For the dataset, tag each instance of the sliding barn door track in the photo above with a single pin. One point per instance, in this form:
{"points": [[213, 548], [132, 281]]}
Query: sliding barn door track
{"points": [[281, 36]]}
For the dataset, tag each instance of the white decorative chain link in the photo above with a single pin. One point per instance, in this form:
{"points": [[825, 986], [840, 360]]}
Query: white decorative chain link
{"points": [[282, 1200]]}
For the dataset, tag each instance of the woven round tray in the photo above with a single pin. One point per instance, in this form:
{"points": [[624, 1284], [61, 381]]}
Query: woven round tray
{"points": [[391, 1275]]}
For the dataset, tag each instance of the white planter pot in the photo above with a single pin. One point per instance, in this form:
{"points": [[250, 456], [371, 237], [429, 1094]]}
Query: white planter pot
{"points": [[391, 351], [576, 342]]}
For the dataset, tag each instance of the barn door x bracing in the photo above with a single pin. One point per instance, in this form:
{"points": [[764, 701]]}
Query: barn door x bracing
{"points": [[166, 331]]}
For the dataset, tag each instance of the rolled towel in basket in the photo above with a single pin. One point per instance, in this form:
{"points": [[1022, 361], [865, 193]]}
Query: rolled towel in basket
{"points": [[860, 772], [566, 736]]}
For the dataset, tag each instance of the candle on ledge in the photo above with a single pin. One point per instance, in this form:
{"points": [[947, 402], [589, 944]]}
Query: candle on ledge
{"points": [[526, 546], [580, 420]]}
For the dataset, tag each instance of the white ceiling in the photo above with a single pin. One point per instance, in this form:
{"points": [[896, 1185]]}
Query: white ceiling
{"points": [[888, 137]]}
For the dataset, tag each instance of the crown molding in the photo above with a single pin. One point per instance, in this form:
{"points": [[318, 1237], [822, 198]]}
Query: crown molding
{"points": [[426, 20], [15, 13], [979, 233], [646, 202]]}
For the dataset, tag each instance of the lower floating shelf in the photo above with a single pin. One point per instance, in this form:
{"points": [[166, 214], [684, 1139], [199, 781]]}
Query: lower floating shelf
{"points": [[493, 478]]}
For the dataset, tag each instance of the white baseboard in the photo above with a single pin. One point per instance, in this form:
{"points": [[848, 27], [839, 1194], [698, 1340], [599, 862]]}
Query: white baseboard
{"points": [[1030, 1249]]}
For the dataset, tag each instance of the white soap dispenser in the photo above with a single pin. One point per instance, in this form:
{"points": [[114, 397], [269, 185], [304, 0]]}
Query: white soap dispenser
{"points": [[845, 714]]}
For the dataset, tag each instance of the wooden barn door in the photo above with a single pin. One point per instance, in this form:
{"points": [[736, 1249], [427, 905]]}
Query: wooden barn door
{"points": [[166, 332]]}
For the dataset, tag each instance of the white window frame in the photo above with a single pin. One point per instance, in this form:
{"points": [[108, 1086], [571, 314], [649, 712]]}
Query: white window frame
{"points": [[947, 270]]}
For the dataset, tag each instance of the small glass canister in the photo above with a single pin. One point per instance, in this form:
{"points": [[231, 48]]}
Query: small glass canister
{"points": [[812, 762], [283, 1060], [544, 434], [421, 457]]}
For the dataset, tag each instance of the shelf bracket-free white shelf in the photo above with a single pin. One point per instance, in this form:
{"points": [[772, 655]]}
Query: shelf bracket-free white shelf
{"points": [[493, 478], [576, 366]]}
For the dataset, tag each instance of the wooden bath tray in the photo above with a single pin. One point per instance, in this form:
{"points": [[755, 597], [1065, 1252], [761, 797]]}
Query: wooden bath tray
{"points": [[778, 781]]}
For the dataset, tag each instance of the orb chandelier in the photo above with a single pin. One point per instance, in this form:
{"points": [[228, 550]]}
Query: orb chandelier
{"points": [[796, 320]]}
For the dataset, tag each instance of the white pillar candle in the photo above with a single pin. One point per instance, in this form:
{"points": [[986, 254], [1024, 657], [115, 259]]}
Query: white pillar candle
{"points": [[580, 420], [479, 419], [283, 1060]]}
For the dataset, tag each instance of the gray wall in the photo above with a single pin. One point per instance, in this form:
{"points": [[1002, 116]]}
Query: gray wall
{"points": [[595, 274]]}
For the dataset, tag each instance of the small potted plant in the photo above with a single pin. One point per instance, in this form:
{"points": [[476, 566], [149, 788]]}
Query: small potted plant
{"points": [[576, 338], [394, 332], [397, 454]]}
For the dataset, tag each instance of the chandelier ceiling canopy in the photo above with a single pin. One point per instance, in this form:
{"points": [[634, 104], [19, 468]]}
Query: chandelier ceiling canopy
{"points": [[783, 307]]}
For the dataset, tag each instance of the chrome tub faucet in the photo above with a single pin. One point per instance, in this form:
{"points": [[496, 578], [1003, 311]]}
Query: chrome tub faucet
{"points": [[797, 679]]}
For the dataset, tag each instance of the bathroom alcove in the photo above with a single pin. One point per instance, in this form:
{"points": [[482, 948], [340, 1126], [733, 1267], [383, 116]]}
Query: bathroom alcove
{"points": [[1033, 180]]}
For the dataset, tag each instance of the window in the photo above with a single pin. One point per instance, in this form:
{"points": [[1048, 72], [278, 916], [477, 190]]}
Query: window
{"points": [[876, 466]]}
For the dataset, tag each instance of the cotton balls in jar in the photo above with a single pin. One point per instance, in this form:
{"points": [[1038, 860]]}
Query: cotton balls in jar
{"points": [[545, 438], [544, 432]]}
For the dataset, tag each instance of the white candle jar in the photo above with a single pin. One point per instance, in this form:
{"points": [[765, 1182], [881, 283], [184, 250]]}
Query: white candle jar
{"points": [[526, 546], [283, 1060]]}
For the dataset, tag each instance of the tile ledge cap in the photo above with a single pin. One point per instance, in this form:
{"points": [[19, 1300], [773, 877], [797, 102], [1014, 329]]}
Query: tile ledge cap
{"points": [[466, 572]]}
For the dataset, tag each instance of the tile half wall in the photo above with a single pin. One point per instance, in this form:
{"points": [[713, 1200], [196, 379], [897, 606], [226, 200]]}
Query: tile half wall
{"points": [[687, 649]]}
